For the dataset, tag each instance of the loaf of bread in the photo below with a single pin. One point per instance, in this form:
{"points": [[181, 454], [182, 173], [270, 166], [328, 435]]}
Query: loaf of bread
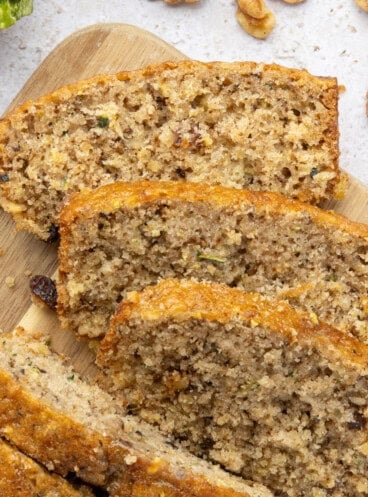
{"points": [[126, 236], [247, 382], [243, 125], [20, 476], [49, 413]]}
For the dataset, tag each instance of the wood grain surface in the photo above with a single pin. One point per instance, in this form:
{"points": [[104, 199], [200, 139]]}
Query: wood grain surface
{"points": [[103, 48]]}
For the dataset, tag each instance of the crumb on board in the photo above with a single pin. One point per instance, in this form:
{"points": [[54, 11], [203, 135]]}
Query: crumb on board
{"points": [[27, 272], [2, 252], [10, 281], [342, 89]]}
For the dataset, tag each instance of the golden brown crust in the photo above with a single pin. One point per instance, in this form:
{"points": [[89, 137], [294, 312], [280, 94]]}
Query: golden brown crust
{"points": [[300, 76], [327, 85], [22, 477], [63, 445], [189, 299], [156, 479], [118, 195], [50, 437]]}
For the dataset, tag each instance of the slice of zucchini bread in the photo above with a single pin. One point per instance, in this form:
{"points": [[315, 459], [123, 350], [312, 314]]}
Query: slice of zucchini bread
{"points": [[247, 382], [243, 125], [126, 236], [20, 476], [49, 413]]}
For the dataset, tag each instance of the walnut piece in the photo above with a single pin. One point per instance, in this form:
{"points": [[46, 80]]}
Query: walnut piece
{"points": [[258, 28], [253, 8], [363, 4]]}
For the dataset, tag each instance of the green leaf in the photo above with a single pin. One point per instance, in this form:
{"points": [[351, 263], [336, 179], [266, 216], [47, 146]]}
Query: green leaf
{"points": [[12, 10]]}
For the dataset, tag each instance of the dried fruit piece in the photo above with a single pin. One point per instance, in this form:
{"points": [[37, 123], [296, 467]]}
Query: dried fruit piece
{"points": [[44, 290], [259, 28], [53, 233], [363, 4], [253, 8]]}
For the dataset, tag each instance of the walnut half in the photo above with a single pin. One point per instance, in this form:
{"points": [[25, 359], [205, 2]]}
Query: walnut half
{"points": [[253, 8], [363, 4], [258, 28]]}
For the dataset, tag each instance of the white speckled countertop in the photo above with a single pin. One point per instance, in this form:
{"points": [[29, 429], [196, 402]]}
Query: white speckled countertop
{"points": [[327, 37]]}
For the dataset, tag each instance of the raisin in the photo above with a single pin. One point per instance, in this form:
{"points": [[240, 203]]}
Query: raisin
{"points": [[53, 233], [180, 172], [44, 289]]}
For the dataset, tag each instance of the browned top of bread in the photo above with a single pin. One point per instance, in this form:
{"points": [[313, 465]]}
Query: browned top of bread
{"points": [[22, 477], [189, 299], [70, 445], [114, 196], [297, 75]]}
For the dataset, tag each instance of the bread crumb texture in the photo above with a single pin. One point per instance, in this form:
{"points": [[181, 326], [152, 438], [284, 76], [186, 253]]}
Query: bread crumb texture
{"points": [[68, 426], [245, 382], [10, 281], [242, 125], [126, 236]]}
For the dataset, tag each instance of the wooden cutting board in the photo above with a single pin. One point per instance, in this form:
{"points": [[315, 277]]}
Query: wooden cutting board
{"points": [[103, 48]]}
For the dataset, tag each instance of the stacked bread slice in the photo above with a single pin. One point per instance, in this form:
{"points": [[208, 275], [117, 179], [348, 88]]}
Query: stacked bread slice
{"points": [[243, 125], [49, 413], [171, 160], [125, 236], [246, 382]]}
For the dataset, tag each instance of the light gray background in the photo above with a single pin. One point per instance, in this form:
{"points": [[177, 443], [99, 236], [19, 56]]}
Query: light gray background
{"points": [[328, 37]]}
